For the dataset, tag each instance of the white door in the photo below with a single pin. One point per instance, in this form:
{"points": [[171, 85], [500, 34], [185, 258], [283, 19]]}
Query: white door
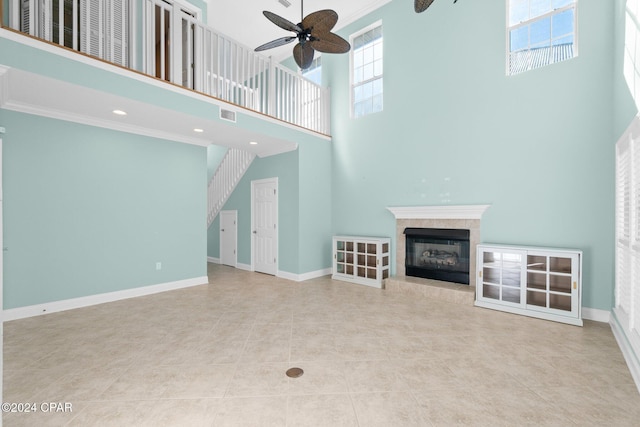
{"points": [[170, 45], [228, 237], [264, 207]]}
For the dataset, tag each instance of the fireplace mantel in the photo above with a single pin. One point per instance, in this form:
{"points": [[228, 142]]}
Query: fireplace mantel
{"points": [[438, 212]]}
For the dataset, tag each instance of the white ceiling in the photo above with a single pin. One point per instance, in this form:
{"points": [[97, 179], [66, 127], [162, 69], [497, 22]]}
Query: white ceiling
{"points": [[244, 22]]}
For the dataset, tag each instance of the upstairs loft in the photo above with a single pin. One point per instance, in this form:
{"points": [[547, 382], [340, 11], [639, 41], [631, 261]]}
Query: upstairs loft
{"points": [[166, 44]]}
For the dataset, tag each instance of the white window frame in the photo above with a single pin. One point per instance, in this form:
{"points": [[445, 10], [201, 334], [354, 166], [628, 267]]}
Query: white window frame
{"points": [[627, 249], [352, 37], [530, 21]]}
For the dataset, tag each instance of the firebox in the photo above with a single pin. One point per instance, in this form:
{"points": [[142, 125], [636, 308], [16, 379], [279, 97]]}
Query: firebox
{"points": [[438, 253]]}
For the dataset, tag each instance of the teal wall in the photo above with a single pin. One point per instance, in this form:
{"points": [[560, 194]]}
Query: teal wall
{"points": [[304, 207], [624, 105], [93, 75], [538, 147], [285, 168], [314, 238], [455, 129], [89, 210], [215, 154]]}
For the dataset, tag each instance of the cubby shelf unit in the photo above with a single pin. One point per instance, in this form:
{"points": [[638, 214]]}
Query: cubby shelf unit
{"points": [[537, 282]]}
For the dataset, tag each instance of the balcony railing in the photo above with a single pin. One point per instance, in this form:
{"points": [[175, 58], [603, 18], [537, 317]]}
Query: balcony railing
{"points": [[167, 41]]}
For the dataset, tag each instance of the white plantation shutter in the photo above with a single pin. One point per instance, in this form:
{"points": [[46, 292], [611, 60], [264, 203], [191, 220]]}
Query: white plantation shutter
{"points": [[633, 307], [627, 292], [105, 29], [26, 23], [91, 24], [117, 40], [624, 271]]}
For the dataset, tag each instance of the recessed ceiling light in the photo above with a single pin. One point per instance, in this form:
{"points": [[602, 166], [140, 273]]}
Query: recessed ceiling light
{"points": [[253, 143], [120, 112], [198, 130]]}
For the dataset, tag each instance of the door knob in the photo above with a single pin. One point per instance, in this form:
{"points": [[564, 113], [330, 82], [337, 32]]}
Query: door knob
{"points": [[222, 229], [255, 232]]}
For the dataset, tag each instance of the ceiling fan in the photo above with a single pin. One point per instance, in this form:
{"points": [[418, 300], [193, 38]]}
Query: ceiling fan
{"points": [[313, 33], [421, 5]]}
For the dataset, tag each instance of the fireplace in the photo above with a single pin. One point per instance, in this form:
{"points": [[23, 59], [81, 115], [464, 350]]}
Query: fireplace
{"points": [[438, 253]]}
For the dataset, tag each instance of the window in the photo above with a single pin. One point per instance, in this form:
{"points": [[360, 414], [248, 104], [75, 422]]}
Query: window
{"points": [[540, 32], [314, 72], [627, 284], [366, 71]]}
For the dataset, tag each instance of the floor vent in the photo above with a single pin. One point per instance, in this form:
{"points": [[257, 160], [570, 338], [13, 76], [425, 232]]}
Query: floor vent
{"points": [[228, 115]]}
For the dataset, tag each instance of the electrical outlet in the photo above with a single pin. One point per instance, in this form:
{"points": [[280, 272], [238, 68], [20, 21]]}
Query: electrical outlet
{"points": [[158, 265]]}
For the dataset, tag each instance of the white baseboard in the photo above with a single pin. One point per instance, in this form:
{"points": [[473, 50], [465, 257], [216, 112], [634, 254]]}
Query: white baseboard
{"points": [[596, 315], [304, 276], [69, 304], [627, 350], [246, 267], [282, 274]]}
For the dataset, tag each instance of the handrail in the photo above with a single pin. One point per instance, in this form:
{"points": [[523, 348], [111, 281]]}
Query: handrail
{"points": [[178, 48]]}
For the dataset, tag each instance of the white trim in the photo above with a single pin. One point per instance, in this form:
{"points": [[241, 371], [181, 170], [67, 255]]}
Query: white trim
{"points": [[531, 21], [246, 267], [576, 321], [213, 260], [50, 113], [4, 84], [627, 350], [275, 182], [70, 304], [439, 212], [304, 276], [596, 315], [235, 224], [358, 33]]}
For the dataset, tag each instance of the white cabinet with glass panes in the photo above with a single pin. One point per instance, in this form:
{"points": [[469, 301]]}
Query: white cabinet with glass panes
{"points": [[537, 282], [363, 260]]}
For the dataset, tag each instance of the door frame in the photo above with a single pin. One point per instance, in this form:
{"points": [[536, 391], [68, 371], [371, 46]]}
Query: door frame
{"points": [[177, 9], [273, 180], [235, 250]]}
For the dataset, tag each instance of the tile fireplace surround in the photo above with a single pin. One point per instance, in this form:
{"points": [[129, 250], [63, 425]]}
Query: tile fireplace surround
{"points": [[466, 217]]}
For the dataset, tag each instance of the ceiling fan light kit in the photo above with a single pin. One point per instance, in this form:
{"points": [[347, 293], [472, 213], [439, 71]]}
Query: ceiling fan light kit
{"points": [[313, 34]]}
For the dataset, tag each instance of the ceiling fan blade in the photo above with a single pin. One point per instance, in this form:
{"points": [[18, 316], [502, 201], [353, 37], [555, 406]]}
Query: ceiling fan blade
{"points": [[281, 22], [275, 43], [421, 5], [320, 22], [303, 55], [330, 43]]}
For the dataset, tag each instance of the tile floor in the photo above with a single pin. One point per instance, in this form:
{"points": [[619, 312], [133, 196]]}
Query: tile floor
{"points": [[216, 355]]}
